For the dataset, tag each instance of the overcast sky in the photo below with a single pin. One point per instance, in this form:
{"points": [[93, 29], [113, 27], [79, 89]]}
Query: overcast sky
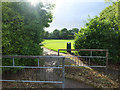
{"points": [[71, 13]]}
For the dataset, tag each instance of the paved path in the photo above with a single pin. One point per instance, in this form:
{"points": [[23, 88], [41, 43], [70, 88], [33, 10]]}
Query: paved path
{"points": [[68, 82]]}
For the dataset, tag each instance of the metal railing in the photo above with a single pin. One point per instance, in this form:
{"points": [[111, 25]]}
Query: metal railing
{"points": [[87, 61], [45, 67]]}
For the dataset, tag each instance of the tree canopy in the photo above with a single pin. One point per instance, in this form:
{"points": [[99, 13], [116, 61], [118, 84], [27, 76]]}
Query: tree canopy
{"points": [[23, 27]]}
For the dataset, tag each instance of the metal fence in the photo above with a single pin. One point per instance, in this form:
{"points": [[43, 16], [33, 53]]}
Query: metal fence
{"points": [[47, 69], [91, 60]]}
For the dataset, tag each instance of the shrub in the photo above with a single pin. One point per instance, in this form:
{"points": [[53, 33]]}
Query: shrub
{"points": [[99, 34]]}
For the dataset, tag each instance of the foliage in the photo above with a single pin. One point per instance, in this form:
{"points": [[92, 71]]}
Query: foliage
{"points": [[22, 28], [101, 33]]}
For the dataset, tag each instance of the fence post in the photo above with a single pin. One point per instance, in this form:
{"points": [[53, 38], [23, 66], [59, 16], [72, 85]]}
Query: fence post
{"points": [[90, 53], [13, 62], [63, 73], [58, 52], [91, 56], [38, 62], [106, 59]]}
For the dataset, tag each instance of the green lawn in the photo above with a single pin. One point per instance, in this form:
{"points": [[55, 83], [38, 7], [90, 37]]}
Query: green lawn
{"points": [[57, 44]]}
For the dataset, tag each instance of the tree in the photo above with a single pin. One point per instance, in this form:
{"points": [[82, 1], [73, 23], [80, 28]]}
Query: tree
{"points": [[110, 13], [71, 34], [98, 34], [102, 33], [56, 34], [64, 33], [22, 29], [24, 26], [75, 30]]}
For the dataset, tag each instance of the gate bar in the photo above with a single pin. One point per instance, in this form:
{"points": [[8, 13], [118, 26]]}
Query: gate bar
{"points": [[13, 56], [28, 67], [31, 81]]}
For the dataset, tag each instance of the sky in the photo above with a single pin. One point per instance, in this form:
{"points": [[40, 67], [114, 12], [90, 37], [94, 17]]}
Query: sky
{"points": [[72, 13]]}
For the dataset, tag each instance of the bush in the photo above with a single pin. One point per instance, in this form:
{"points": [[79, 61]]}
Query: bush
{"points": [[99, 34]]}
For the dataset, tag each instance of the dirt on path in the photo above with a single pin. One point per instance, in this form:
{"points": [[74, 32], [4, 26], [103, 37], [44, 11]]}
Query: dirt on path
{"points": [[68, 82]]}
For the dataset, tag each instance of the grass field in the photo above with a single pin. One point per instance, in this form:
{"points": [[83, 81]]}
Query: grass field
{"points": [[57, 44]]}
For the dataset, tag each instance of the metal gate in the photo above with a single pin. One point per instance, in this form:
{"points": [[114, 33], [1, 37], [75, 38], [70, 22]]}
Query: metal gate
{"points": [[53, 65], [91, 60], [47, 69]]}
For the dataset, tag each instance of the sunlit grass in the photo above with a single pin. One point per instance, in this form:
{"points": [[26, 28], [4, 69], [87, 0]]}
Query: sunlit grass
{"points": [[57, 44]]}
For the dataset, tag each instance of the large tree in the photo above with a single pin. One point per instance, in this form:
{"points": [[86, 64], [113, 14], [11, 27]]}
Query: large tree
{"points": [[22, 29]]}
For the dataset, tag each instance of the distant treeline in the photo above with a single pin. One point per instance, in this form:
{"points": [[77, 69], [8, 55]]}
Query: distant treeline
{"points": [[61, 34]]}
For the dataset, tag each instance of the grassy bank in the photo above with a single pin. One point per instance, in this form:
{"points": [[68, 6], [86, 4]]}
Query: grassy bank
{"points": [[91, 77]]}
